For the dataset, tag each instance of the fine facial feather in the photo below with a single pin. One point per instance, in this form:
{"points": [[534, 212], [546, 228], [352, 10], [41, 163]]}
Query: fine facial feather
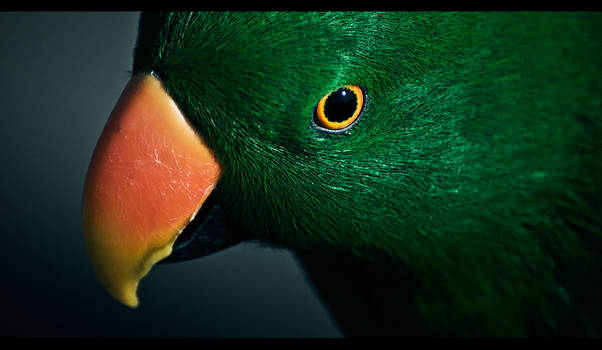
{"points": [[475, 168]]}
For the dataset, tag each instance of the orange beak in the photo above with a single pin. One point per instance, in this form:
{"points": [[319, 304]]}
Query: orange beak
{"points": [[149, 176]]}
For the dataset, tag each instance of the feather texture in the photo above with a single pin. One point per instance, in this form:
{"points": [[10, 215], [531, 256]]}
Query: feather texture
{"points": [[474, 171]]}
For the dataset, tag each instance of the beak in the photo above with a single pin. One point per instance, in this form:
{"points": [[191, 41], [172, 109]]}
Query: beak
{"points": [[149, 176]]}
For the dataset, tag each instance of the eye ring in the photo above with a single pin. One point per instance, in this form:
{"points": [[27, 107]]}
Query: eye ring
{"points": [[340, 108]]}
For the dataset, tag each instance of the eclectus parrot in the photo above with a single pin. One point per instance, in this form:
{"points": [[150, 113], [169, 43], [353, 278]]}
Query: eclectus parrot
{"points": [[436, 174]]}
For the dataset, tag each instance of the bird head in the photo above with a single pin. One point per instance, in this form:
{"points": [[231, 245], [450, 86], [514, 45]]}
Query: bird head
{"points": [[461, 147], [282, 121], [364, 132]]}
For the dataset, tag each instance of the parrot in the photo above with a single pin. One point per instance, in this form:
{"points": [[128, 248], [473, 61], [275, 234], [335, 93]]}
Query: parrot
{"points": [[436, 174]]}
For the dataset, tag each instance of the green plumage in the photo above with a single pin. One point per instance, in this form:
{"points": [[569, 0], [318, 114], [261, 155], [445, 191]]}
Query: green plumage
{"points": [[465, 201]]}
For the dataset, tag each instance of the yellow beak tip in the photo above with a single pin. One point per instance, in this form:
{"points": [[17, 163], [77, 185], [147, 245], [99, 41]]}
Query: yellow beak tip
{"points": [[130, 299]]}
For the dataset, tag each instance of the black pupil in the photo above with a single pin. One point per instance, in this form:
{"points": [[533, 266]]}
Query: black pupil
{"points": [[340, 105]]}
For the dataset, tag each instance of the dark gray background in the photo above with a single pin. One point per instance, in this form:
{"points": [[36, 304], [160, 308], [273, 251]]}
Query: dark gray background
{"points": [[60, 75]]}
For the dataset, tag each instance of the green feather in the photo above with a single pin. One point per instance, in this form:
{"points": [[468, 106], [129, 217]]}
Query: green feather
{"points": [[472, 181]]}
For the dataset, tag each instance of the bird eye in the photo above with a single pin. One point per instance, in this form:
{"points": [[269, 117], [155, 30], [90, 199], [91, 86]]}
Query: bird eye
{"points": [[339, 108]]}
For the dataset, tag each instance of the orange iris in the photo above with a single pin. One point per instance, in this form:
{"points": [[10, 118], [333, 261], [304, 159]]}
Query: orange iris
{"points": [[340, 108]]}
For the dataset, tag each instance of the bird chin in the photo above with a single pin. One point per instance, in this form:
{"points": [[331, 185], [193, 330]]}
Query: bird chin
{"points": [[207, 233]]}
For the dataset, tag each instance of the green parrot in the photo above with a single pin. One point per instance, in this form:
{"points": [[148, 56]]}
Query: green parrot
{"points": [[436, 174]]}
